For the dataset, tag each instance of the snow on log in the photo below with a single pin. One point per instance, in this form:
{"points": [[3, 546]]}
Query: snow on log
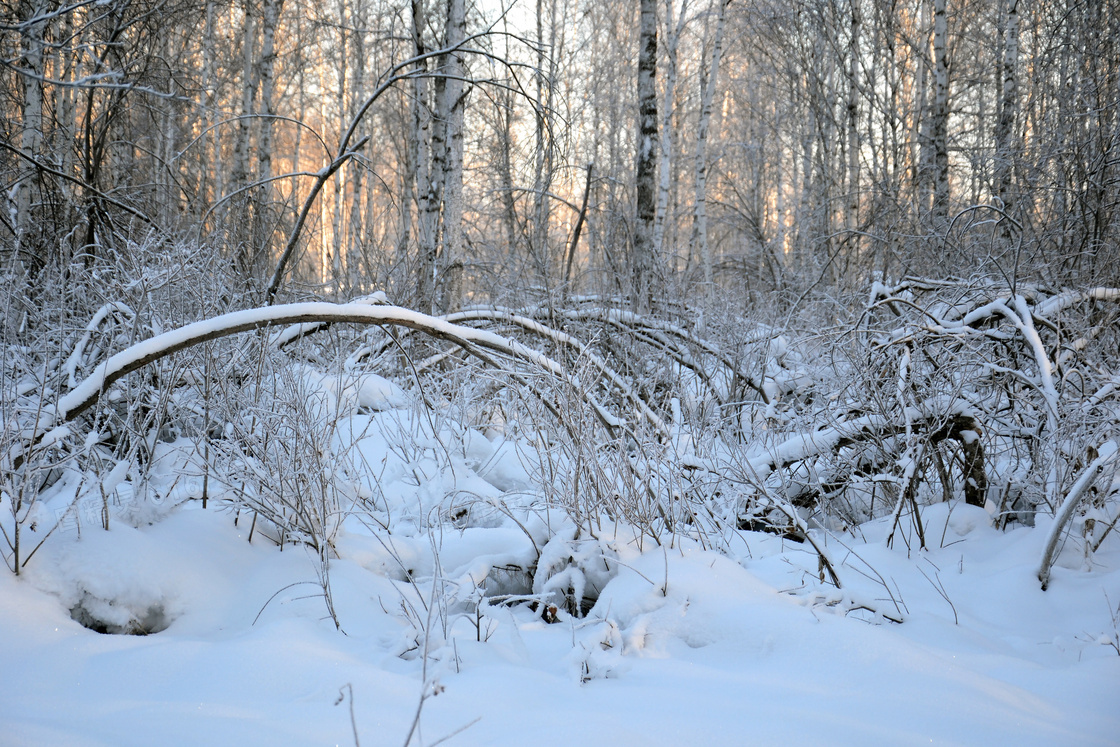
{"points": [[75, 359], [937, 419], [86, 393]]}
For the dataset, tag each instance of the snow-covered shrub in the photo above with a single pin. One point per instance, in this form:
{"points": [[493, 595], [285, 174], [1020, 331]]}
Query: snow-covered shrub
{"points": [[277, 458], [572, 570], [946, 391]]}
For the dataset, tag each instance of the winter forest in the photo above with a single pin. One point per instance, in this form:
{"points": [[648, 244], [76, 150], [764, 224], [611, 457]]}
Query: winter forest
{"points": [[661, 372]]}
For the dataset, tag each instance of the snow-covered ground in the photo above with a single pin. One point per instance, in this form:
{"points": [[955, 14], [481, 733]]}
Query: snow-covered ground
{"points": [[684, 645]]}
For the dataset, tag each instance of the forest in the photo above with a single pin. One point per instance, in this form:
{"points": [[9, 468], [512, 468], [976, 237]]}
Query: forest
{"points": [[400, 372]]}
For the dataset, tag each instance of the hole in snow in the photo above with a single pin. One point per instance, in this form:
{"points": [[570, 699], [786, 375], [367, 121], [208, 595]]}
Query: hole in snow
{"points": [[111, 619]]}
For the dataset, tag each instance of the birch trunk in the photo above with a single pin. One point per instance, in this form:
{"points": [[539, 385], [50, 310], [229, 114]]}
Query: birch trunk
{"points": [[242, 223], [410, 180], [65, 125], [509, 202], [852, 217], [940, 114], [31, 130], [643, 260], [1008, 106], [674, 27], [356, 226], [452, 107], [922, 122], [337, 231], [209, 186], [270, 20], [240, 175], [708, 77], [542, 170], [428, 188]]}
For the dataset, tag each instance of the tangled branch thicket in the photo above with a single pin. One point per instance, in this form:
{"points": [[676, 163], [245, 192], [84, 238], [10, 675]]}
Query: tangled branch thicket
{"points": [[676, 424]]}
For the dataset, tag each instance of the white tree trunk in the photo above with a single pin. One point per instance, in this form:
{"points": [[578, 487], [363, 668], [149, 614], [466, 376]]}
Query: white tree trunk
{"points": [[1008, 106], [940, 114], [240, 175], [452, 107], [674, 27], [270, 20], [31, 127], [65, 124], [643, 261], [708, 77], [922, 122], [210, 175], [429, 147], [853, 144], [337, 230], [542, 170], [355, 225]]}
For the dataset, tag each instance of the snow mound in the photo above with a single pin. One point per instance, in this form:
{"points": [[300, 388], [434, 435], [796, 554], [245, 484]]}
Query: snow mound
{"points": [[104, 587]]}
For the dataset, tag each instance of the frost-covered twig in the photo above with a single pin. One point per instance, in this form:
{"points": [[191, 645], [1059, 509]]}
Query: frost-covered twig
{"points": [[536, 327], [803, 531]]}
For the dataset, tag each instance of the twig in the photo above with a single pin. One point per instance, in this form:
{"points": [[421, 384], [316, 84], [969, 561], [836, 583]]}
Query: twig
{"points": [[353, 722]]}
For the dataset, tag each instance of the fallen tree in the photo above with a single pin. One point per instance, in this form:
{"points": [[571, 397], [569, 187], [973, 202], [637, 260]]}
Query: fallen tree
{"points": [[477, 342]]}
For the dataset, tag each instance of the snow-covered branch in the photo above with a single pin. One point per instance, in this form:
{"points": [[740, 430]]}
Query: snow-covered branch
{"points": [[87, 393]]}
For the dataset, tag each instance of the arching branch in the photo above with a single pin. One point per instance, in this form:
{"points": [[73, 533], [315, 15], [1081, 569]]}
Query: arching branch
{"points": [[89, 391]]}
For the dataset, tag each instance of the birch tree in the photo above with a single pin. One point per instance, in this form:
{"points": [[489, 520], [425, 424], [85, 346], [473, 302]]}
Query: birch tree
{"points": [[355, 226], [853, 135], [708, 75], [453, 108], [427, 178], [241, 155], [270, 21], [643, 259], [442, 210], [1008, 89], [543, 168], [939, 116], [31, 41], [674, 28]]}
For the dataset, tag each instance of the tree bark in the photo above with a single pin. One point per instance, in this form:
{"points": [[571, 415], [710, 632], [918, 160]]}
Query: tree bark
{"points": [[31, 130], [940, 114], [853, 144], [674, 27], [355, 228], [240, 175], [1008, 107], [452, 107], [708, 77], [427, 186], [270, 20], [643, 261], [540, 253], [337, 231]]}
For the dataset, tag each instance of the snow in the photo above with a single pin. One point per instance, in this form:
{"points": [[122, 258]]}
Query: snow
{"points": [[721, 658], [682, 645], [433, 571], [349, 391]]}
